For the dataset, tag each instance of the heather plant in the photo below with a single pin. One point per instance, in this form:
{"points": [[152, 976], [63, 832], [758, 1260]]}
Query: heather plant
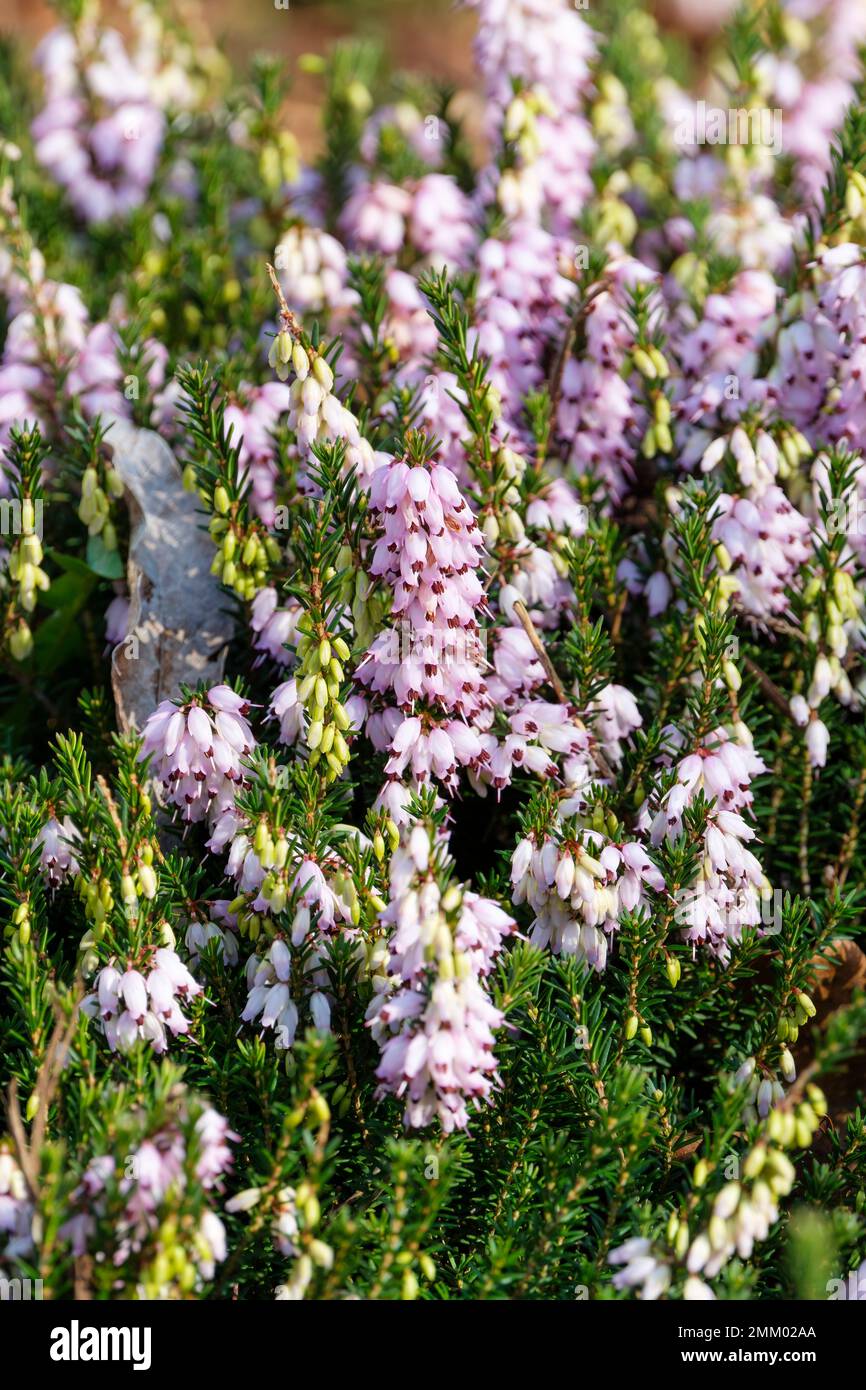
{"points": [[432, 663]]}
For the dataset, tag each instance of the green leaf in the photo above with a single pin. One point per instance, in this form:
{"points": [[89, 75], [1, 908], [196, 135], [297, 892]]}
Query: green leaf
{"points": [[104, 562], [69, 591]]}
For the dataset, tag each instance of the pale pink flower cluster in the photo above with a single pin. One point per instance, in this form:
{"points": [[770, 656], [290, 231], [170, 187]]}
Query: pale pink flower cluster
{"points": [[542, 42], [758, 461], [540, 733], [311, 266], [743, 1213], [156, 1171], [441, 222], [520, 298], [641, 1267], [534, 577], [547, 49], [813, 87], [817, 733], [99, 134], [599, 418], [804, 81], [442, 1056], [214, 1157], [270, 1002], [424, 748], [143, 1004], [16, 1212], [51, 341], [53, 354], [197, 750], [286, 706], [432, 215], [433, 1017], [730, 888], [199, 935], [316, 415], [428, 553], [719, 353], [429, 538], [578, 887], [819, 372], [275, 626], [615, 717], [517, 671], [767, 541], [57, 859], [374, 218]]}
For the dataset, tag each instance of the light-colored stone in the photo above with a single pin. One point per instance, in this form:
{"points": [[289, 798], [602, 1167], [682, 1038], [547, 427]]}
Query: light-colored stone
{"points": [[179, 623]]}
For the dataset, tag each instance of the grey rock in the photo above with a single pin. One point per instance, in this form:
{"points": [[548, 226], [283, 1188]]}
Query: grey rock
{"points": [[178, 624]]}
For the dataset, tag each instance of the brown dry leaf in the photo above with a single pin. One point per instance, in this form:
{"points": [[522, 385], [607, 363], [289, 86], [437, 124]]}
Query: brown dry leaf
{"points": [[178, 628], [838, 977], [836, 980]]}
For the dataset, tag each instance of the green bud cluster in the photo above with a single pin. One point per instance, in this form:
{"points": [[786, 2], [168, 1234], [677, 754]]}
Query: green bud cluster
{"points": [[410, 1285], [658, 438], [692, 272], [273, 855], [98, 900], [795, 450], [390, 829], [615, 219], [855, 198], [25, 571], [288, 355], [142, 881], [794, 1018], [673, 970], [366, 600], [767, 1174], [274, 858], [251, 925], [651, 362], [609, 114], [520, 126], [796, 1126], [278, 161], [320, 677], [633, 1026], [841, 603], [94, 509], [136, 882], [272, 849], [244, 556], [20, 927], [175, 1267]]}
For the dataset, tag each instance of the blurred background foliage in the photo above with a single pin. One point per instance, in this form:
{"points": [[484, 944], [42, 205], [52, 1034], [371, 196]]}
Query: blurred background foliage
{"points": [[415, 34]]}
